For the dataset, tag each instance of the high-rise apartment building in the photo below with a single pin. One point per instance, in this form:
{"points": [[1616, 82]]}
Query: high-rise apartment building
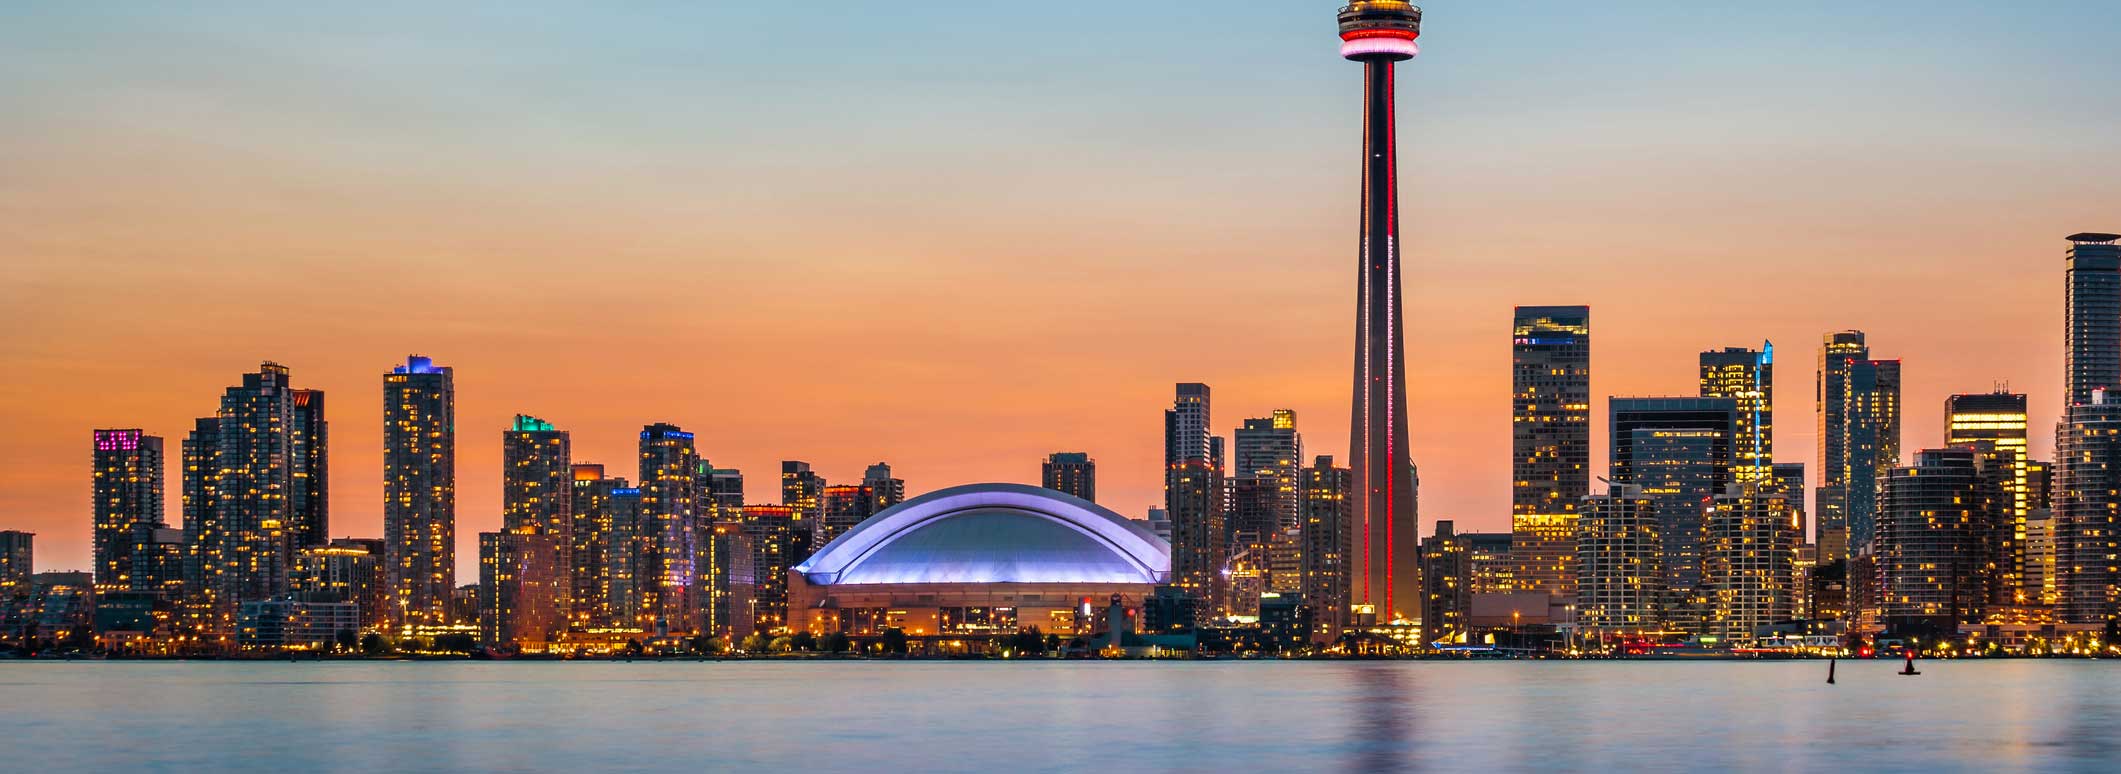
{"points": [[128, 479], [2087, 512], [1619, 563], [1193, 495], [1550, 421], [1938, 529], [1270, 450], [18, 560], [420, 490], [1186, 428], [240, 485], [730, 580], [669, 530], [1199, 540], [520, 588], [1680, 451], [2092, 307], [804, 490], [843, 506], [537, 492], [885, 490], [778, 534], [1447, 584], [1995, 424], [1872, 446], [1747, 376], [1070, 473], [309, 470], [1750, 563], [1838, 353]]}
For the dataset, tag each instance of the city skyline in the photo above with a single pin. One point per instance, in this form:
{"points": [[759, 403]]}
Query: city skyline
{"points": [[959, 413]]}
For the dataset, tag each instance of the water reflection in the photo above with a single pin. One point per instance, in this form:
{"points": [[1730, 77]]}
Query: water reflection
{"points": [[1060, 717], [1385, 737]]}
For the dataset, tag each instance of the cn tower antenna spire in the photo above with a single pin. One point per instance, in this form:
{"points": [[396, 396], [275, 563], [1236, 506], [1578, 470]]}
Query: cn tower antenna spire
{"points": [[1379, 34]]}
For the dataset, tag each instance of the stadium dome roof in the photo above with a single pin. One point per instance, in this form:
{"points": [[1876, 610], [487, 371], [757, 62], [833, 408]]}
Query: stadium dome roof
{"points": [[992, 533]]}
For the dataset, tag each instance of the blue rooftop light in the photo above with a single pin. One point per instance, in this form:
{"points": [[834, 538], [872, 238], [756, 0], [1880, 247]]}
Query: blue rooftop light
{"points": [[416, 364]]}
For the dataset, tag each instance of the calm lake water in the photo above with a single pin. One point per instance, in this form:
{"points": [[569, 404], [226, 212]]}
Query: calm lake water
{"points": [[375, 717]]}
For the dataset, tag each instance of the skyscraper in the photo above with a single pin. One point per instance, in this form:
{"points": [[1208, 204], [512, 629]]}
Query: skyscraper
{"points": [[1550, 419], [1994, 424], [1872, 442], [420, 490], [777, 534], [1837, 354], [730, 581], [1199, 540], [1193, 496], [1070, 472], [669, 529], [128, 484], [1380, 33], [604, 550], [1619, 563], [537, 493], [1749, 377], [2093, 309], [1680, 452], [1270, 450], [252, 475], [2086, 527], [204, 534]]}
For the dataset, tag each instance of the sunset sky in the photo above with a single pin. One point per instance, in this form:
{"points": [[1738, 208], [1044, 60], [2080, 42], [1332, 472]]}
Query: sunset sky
{"points": [[957, 236]]}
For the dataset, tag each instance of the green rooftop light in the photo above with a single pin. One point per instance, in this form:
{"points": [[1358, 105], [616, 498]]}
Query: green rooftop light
{"points": [[530, 424]]}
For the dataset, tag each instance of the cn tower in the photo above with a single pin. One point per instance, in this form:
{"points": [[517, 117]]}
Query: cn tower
{"points": [[1379, 33]]}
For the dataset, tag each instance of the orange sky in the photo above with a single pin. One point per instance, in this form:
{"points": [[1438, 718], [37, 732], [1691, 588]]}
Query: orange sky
{"points": [[960, 272]]}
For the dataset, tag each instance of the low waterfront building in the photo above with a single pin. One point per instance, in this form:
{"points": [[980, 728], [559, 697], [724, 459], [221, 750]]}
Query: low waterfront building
{"points": [[287, 624]]}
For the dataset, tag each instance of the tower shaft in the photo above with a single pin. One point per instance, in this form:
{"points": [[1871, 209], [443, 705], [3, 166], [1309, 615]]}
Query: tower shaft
{"points": [[1383, 470]]}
